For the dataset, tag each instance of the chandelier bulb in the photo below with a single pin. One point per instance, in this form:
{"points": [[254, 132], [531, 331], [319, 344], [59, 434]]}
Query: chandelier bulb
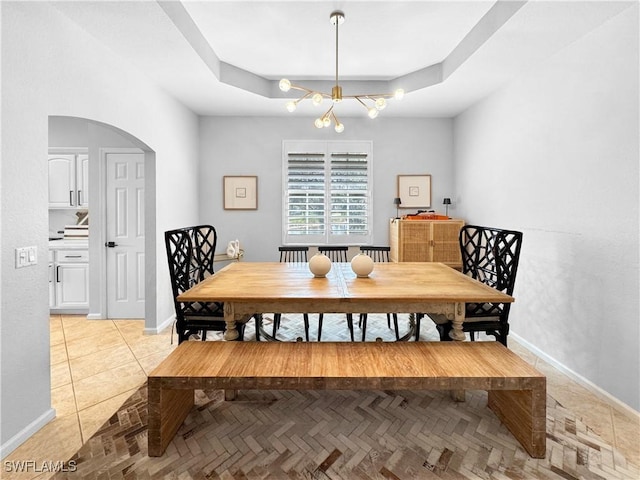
{"points": [[317, 99], [399, 94], [318, 123], [291, 106], [326, 121], [285, 85], [373, 112], [339, 127], [381, 103]]}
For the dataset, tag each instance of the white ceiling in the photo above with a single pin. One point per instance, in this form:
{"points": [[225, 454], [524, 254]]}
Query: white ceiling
{"points": [[207, 54]]}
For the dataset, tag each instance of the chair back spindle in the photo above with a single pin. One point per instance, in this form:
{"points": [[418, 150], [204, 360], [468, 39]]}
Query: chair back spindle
{"points": [[377, 254], [335, 254], [293, 254]]}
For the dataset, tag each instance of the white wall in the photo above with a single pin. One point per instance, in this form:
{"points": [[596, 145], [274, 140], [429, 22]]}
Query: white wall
{"points": [[50, 66], [253, 146], [555, 154]]}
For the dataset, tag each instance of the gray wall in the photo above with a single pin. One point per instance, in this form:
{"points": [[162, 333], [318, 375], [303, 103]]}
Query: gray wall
{"points": [[555, 154], [253, 146], [52, 67]]}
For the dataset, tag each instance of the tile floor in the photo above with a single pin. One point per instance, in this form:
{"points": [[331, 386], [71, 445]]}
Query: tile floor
{"points": [[97, 365]]}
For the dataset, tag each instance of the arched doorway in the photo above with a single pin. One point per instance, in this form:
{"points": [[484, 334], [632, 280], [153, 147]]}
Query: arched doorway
{"points": [[102, 141]]}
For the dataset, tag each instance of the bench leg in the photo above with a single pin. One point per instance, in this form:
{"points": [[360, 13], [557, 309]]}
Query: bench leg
{"points": [[524, 413], [166, 411], [458, 395], [230, 395]]}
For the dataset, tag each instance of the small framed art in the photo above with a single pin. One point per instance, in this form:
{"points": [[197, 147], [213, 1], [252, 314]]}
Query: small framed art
{"points": [[240, 193], [414, 191]]}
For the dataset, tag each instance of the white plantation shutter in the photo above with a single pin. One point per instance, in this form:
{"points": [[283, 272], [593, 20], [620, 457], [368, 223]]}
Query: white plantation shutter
{"points": [[349, 198], [305, 194], [327, 194]]}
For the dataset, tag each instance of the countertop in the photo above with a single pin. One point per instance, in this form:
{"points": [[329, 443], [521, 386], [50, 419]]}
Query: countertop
{"points": [[69, 244]]}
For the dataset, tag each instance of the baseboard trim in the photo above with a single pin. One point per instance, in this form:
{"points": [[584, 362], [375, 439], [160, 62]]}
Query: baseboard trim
{"points": [[26, 433], [167, 323], [96, 316], [592, 387]]}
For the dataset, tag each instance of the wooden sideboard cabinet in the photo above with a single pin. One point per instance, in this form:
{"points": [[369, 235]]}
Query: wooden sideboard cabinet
{"points": [[426, 241]]}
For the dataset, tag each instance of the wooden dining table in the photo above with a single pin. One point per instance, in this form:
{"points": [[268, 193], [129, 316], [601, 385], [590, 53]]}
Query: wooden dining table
{"points": [[247, 288]]}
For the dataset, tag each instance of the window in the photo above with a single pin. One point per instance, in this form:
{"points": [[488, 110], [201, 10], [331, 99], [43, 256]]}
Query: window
{"points": [[327, 193]]}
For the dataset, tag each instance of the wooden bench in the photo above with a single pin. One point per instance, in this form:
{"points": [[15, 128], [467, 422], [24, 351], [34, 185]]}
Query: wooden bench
{"points": [[517, 392]]}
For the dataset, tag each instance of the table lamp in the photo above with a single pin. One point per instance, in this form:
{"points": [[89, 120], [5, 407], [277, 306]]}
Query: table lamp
{"points": [[397, 202], [446, 202]]}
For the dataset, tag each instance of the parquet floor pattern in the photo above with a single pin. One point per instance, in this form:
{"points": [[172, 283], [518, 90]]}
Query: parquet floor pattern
{"points": [[344, 435]]}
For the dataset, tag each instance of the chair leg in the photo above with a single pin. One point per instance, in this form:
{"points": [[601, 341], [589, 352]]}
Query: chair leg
{"points": [[395, 324], [320, 317], [418, 318], [257, 318], [276, 323], [350, 324], [443, 330], [503, 332], [306, 326], [363, 317], [240, 328], [389, 322]]}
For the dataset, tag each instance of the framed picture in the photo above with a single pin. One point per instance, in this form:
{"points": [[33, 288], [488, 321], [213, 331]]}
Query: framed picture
{"points": [[240, 193], [414, 191]]}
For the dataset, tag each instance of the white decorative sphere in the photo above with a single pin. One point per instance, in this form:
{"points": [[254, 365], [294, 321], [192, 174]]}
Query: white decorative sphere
{"points": [[319, 265], [362, 265]]}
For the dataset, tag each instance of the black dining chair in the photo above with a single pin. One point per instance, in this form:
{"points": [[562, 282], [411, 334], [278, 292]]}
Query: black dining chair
{"points": [[491, 256], [377, 254], [190, 252], [292, 254], [335, 254]]}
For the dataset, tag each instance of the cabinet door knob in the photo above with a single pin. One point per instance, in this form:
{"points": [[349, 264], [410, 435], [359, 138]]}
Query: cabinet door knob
{"points": [[110, 244]]}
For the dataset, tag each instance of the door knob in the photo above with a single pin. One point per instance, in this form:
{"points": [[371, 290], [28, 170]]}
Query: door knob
{"points": [[110, 244]]}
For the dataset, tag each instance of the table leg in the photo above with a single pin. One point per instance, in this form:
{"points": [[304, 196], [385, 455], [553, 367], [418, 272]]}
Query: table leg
{"points": [[456, 332], [230, 333]]}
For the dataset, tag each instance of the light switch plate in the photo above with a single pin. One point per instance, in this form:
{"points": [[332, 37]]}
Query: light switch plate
{"points": [[32, 255], [26, 256], [21, 257]]}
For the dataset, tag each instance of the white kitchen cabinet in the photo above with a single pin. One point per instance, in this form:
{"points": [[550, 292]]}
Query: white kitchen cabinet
{"points": [[69, 180], [72, 285], [52, 279], [69, 280]]}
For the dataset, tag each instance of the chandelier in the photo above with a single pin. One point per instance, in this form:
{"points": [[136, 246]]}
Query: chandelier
{"points": [[372, 102]]}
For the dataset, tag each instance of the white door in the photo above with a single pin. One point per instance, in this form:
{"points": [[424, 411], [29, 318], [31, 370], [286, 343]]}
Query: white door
{"points": [[125, 235]]}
